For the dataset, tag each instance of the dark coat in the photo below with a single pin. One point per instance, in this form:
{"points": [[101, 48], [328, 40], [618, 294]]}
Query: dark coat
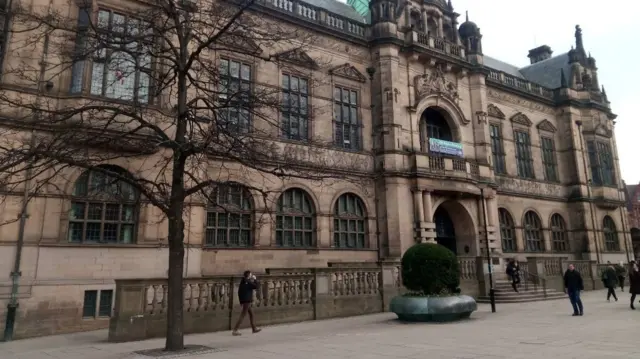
{"points": [[513, 271], [634, 282], [609, 277], [573, 281], [245, 290]]}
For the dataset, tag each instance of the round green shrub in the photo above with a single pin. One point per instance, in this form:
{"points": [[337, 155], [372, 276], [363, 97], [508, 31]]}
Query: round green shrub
{"points": [[430, 269]]}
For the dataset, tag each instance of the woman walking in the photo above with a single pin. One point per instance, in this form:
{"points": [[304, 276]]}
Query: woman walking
{"points": [[634, 282]]}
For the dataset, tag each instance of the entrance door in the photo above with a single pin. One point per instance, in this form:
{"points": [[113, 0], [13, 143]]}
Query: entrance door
{"points": [[445, 232]]}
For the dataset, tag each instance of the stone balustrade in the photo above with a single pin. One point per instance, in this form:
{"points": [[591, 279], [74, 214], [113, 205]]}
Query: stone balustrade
{"points": [[435, 43], [445, 166], [519, 83]]}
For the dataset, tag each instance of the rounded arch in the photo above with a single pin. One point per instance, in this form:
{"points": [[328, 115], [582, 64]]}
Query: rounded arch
{"points": [[349, 222], [104, 209], [507, 230], [295, 219], [532, 230], [355, 192], [610, 232], [303, 187], [524, 214], [230, 216], [455, 227], [455, 116], [559, 233]]}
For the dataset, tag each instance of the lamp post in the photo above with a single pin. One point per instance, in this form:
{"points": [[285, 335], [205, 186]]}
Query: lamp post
{"points": [[492, 293]]}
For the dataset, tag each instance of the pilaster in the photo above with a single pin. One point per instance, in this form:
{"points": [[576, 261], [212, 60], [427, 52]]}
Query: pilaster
{"points": [[478, 105]]}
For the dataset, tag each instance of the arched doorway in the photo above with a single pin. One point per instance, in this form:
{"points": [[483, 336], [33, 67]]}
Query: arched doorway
{"points": [[435, 124], [445, 230], [455, 228]]}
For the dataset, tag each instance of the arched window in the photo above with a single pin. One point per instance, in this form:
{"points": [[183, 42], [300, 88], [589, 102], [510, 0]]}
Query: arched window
{"points": [[104, 209], [533, 232], [229, 217], [349, 222], [295, 219], [611, 242], [507, 231], [559, 234]]}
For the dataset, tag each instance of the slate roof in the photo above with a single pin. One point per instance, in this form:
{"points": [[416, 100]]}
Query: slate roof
{"points": [[545, 73], [338, 8]]}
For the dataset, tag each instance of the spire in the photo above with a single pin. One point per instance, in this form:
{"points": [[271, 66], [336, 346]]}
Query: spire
{"points": [[563, 79], [604, 94], [466, 13], [450, 5], [579, 45]]}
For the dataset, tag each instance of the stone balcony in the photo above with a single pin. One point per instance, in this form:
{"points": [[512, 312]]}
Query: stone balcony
{"points": [[423, 40], [448, 167]]}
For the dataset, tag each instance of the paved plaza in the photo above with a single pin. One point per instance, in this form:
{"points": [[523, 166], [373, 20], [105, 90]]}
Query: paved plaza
{"points": [[524, 330]]}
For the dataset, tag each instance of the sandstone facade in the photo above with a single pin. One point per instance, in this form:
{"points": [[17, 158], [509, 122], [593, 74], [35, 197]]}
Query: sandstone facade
{"points": [[446, 138]]}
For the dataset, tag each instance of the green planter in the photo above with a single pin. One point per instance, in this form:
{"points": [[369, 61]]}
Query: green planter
{"points": [[433, 309]]}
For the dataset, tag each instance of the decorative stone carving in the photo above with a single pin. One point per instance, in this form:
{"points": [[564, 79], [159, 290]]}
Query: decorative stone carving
{"points": [[494, 111], [348, 71], [603, 131], [521, 119], [238, 40], [297, 57], [546, 125], [435, 83], [519, 101]]}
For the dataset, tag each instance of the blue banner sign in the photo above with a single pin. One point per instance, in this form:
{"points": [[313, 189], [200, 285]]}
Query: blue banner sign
{"points": [[445, 147]]}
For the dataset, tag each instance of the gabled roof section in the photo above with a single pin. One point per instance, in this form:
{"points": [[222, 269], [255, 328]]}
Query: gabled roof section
{"points": [[339, 8], [547, 72]]}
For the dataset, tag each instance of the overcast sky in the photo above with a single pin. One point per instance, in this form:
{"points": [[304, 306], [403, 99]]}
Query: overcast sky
{"points": [[511, 28]]}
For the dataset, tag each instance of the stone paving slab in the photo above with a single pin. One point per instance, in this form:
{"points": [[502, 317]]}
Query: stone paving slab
{"points": [[516, 331]]}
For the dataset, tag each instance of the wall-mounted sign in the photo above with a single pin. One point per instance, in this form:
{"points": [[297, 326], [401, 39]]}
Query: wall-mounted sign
{"points": [[445, 147]]}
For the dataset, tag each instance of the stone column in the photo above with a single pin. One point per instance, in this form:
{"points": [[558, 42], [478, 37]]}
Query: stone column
{"points": [[428, 207], [418, 205], [440, 27]]}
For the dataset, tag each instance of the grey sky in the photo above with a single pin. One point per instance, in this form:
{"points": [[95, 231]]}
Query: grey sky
{"points": [[511, 28]]}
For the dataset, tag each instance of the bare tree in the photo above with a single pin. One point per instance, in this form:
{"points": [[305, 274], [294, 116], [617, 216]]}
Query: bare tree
{"points": [[85, 87]]}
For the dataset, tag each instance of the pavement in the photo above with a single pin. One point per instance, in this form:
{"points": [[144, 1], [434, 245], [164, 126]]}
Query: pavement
{"points": [[518, 330]]}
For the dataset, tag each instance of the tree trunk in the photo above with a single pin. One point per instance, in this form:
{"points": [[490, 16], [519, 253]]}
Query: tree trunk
{"points": [[175, 312]]}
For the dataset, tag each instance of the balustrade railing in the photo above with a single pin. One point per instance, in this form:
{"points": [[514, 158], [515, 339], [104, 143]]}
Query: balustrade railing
{"points": [[448, 166], [352, 282], [437, 43], [468, 268], [519, 83], [553, 267]]}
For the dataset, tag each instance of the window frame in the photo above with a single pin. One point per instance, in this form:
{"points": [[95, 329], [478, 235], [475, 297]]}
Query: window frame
{"points": [[82, 73], [217, 208], [354, 108], [532, 233], [498, 154], [610, 234], [524, 159], [503, 214], [559, 234], [549, 158], [599, 151], [359, 231], [235, 105], [286, 111], [283, 212]]}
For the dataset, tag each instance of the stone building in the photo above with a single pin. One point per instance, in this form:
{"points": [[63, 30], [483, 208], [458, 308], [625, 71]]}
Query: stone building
{"points": [[460, 148], [633, 212]]}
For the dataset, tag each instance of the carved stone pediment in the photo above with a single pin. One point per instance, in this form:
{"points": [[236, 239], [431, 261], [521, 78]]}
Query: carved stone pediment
{"points": [[435, 83], [297, 57], [546, 125], [348, 71], [521, 119], [494, 111]]}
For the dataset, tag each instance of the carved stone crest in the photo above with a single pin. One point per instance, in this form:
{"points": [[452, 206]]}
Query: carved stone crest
{"points": [[348, 71], [297, 57], [494, 111], [521, 119], [435, 83], [546, 125]]}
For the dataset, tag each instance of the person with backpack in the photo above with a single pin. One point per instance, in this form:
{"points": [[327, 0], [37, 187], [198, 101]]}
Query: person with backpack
{"points": [[513, 272]]}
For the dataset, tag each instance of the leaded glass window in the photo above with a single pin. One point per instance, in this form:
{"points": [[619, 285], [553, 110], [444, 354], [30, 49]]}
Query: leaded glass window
{"points": [[345, 117], [295, 219], [349, 222], [229, 217], [507, 231], [611, 242], [533, 237], [559, 234]]}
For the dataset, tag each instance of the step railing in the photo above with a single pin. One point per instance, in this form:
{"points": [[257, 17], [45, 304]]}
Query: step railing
{"points": [[530, 280]]}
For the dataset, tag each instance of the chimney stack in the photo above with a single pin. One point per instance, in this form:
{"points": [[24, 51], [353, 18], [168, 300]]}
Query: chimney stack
{"points": [[540, 53]]}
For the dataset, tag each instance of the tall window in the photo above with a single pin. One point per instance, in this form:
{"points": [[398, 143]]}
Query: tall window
{"points": [[559, 234], [497, 149], [103, 209], [234, 95], [523, 154], [229, 217], [601, 161], [349, 222], [345, 116], [549, 159], [295, 219], [121, 61], [533, 232], [295, 108], [611, 242], [507, 231]]}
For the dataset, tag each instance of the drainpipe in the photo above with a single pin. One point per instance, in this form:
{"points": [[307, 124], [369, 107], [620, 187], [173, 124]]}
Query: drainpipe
{"points": [[586, 176], [12, 306]]}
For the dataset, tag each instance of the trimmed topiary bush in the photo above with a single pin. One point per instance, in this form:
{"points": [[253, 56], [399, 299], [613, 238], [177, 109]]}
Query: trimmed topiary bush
{"points": [[429, 269]]}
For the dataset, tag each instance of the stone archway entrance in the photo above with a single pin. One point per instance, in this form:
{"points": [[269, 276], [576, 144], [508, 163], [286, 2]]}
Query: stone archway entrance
{"points": [[455, 228]]}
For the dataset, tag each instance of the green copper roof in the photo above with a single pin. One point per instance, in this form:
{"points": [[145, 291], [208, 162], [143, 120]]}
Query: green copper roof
{"points": [[361, 6]]}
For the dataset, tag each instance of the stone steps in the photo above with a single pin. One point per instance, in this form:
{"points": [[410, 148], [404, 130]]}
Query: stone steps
{"points": [[504, 293]]}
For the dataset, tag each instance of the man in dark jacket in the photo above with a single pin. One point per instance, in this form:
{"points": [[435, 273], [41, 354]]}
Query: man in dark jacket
{"points": [[248, 284], [573, 285], [610, 281]]}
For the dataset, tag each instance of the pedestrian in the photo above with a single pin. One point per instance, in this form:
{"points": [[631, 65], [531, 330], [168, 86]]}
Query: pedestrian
{"points": [[634, 282], [610, 281], [621, 272], [248, 284], [513, 271], [573, 285]]}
